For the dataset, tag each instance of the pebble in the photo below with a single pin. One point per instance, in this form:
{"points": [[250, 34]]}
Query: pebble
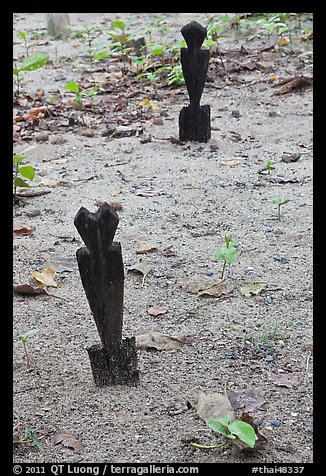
{"points": [[230, 354], [276, 422], [258, 421], [269, 300], [209, 273], [264, 346], [248, 269], [269, 358]]}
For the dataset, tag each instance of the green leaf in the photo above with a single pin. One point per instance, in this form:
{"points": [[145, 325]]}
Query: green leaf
{"points": [[72, 86], [231, 255], [34, 438], [34, 62], [27, 171], [28, 334], [101, 54], [19, 182], [244, 432], [18, 158], [280, 201], [22, 35], [220, 425], [118, 24], [15, 71]]}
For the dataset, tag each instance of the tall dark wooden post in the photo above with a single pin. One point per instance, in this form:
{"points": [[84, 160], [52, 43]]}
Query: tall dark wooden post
{"points": [[194, 120], [102, 275]]}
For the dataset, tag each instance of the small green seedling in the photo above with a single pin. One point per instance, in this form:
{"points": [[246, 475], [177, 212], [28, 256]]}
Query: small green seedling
{"points": [[74, 88], [279, 202], [30, 63], [25, 171], [227, 253], [231, 430], [269, 166], [24, 338]]}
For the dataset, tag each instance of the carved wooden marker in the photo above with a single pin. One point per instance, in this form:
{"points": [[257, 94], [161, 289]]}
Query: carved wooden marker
{"points": [[194, 120], [102, 274]]}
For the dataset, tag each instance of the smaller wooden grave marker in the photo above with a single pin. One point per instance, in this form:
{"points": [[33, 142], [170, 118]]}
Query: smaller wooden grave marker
{"points": [[102, 274], [194, 120]]}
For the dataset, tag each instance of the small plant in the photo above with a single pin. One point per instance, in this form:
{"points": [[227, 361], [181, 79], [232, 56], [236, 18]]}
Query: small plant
{"points": [[227, 253], [231, 430], [74, 88], [23, 35], [279, 202], [175, 76], [269, 166], [29, 64], [21, 172], [24, 338]]}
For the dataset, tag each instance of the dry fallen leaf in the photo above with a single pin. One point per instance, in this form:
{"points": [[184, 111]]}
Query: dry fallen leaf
{"points": [[247, 399], [216, 290], [214, 405], [22, 230], [285, 380], [250, 289], [158, 341], [293, 84], [143, 249], [27, 289], [195, 284], [45, 277], [157, 310], [141, 268], [233, 161], [69, 440]]}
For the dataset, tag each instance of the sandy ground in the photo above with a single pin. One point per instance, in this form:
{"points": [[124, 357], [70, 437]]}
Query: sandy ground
{"points": [[202, 198]]}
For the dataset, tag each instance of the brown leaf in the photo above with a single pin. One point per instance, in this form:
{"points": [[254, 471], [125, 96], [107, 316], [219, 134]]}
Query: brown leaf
{"points": [[27, 289], [248, 399], [294, 84], [216, 290], [195, 284], [69, 440], [285, 380], [177, 141], [157, 310], [169, 252], [158, 341], [143, 249], [22, 230]]}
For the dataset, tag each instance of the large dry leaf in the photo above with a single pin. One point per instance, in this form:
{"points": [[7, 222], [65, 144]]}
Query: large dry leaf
{"points": [[69, 440], [285, 380], [158, 341], [195, 284], [217, 290], [214, 405], [293, 84], [247, 399], [45, 277]]}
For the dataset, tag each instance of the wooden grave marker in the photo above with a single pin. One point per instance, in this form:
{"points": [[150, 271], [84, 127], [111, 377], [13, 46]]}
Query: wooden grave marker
{"points": [[194, 120], [102, 274]]}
